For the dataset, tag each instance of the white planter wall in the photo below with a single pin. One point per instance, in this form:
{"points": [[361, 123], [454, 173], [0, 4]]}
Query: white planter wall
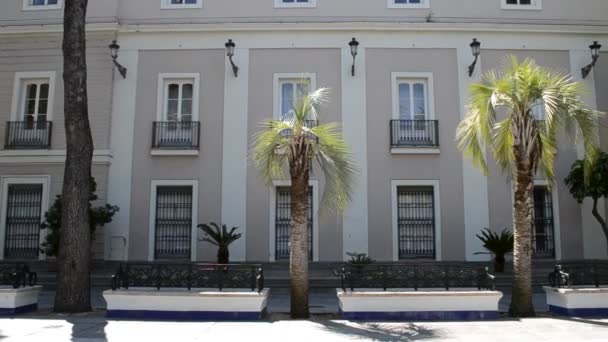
{"points": [[197, 304], [23, 299], [425, 304], [578, 301]]}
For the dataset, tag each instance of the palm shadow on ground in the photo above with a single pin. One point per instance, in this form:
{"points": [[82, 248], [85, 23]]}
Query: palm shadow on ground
{"points": [[379, 331]]}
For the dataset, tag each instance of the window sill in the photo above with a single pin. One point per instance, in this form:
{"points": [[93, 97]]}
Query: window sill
{"points": [[179, 7], [310, 4], [42, 8], [174, 153], [415, 150], [521, 8]]}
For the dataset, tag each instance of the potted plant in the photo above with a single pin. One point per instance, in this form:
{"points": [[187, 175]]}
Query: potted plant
{"points": [[220, 237], [497, 245]]}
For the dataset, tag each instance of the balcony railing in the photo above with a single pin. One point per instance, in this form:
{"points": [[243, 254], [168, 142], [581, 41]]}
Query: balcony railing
{"points": [[28, 134], [183, 135], [414, 133]]}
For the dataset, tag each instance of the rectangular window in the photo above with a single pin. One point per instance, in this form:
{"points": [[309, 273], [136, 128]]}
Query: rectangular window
{"points": [[291, 90], [295, 3], [178, 100], [22, 221], [413, 99], [34, 103], [42, 4], [412, 124], [173, 222], [283, 221], [408, 3], [521, 4], [544, 237], [181, 4], [416, 222]]}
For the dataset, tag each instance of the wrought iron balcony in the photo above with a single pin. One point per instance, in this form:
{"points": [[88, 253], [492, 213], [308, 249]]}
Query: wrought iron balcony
{"points": [[181, 135], [414, 133], [28, 135]]}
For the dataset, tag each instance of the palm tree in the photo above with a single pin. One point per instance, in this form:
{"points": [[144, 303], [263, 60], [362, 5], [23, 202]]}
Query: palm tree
{"points": [[500, 114], [295, 143]]}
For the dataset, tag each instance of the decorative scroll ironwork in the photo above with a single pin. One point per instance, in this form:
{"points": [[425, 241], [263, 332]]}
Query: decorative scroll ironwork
{"points": [[416, 276], [414, 133], [176, 135], [23, 216], [580, 273], [543, 240], [28, 134], [283, 222], [17, 275], [171, 275], [416, 222]]}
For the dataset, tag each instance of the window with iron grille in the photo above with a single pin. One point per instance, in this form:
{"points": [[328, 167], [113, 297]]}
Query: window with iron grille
{"points": [[173, 222], [416, 221], [23, 217], [543, 239], [283, 220]]}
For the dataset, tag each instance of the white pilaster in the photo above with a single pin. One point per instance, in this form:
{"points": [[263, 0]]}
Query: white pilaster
{"points": [[121, 138], [234, 155], [475, 184], [594, 245], [354, 127]]}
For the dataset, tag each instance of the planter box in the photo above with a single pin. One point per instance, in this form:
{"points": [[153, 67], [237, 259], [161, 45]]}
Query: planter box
{"points": [[177, 303], [579, 301], [424, 304], [16, 301]]}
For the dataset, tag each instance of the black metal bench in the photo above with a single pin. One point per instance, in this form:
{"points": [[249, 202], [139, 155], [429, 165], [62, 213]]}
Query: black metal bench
{"points": [[580, 273], [17, 275], [188, 275], [416, 276]]}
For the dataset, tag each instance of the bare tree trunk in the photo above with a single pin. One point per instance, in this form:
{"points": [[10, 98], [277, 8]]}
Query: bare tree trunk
{"points": [[298, 239], [73, 281], [600, 219], [523, 205]]}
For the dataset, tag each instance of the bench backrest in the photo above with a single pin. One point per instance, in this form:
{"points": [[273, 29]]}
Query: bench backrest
{"points": [[17, 275]]}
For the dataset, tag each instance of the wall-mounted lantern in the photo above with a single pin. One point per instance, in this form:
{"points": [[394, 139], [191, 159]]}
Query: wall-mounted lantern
{"points": [[114, 53], [476, 51], [595, 55], [230, 53], [354, 47]]}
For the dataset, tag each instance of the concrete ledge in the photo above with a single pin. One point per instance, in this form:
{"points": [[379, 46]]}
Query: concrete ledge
{"points": [[174, 153], [21, 300], [415, 150], [578, 301], [424, 304], [197, 304]]}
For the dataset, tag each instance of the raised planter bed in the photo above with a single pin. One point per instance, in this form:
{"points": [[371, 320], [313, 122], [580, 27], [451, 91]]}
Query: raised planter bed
{"points": [[187, 292], [417, 292], [18, 289], [579, 289]]}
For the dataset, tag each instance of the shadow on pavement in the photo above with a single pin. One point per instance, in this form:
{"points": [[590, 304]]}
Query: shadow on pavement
{"points": [[378, 331], [582, 320]]}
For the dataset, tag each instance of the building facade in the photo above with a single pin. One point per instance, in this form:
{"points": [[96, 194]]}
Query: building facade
{"points": [[172, 138]]}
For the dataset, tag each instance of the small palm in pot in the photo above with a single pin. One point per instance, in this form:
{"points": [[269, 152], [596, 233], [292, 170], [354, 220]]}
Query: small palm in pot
{"points": [[220, 237], [497, 245]]}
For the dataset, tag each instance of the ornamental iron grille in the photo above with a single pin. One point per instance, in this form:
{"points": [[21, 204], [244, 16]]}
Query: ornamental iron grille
{"points": [[173, 222], [28, 134], [580, 273], [543, 240], [23, 217], [17, 275], [176, 135], [283, 222], [414, 133], [416, 222]]}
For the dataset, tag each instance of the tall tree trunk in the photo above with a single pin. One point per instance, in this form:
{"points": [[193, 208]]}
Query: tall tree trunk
{"points": [[600, 219], [298, 239], [523, 205], [73, 281]]}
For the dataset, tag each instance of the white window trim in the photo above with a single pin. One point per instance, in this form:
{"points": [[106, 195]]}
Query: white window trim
{"points": [[437, 199], [422, 4], [18, 95], [557, 230], [430, 89], [28, 7], [152, 217], [315, 218], [160, 96], [167, 5], [276, 113], [5, 181], [536, 5], [309, 4]]}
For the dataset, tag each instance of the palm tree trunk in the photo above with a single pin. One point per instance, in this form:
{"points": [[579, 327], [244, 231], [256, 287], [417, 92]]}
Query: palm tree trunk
{"points": [[600, 219], [298, 239], [523, 205], [73, 282]]}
